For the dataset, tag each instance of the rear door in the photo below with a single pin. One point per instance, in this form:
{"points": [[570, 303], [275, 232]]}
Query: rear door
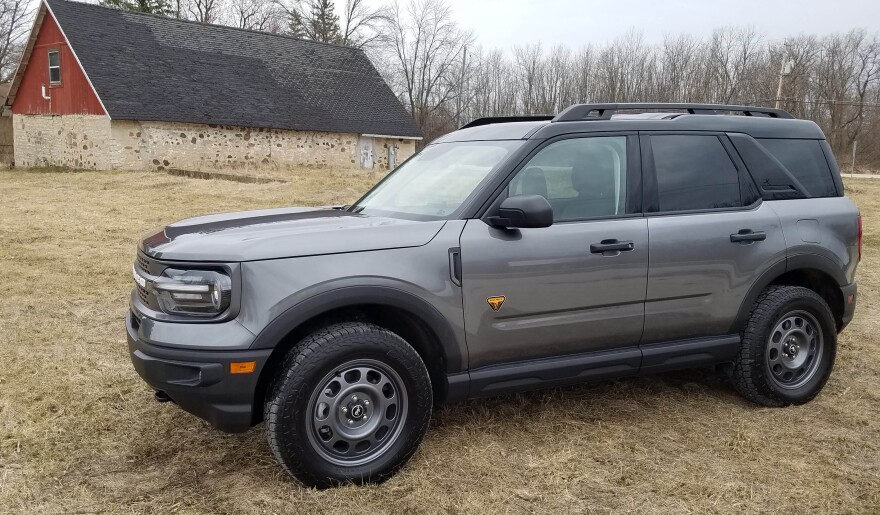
{"points": [[711, 236]]}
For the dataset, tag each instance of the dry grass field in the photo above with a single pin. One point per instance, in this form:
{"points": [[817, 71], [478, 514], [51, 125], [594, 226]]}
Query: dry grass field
{"points": [[80, 432]]}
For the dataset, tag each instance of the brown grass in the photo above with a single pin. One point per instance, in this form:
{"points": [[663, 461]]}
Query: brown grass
{"points": [[79, 431]]}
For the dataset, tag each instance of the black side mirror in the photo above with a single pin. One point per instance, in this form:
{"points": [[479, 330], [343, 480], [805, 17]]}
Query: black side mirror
{"points": [[523, 212]]}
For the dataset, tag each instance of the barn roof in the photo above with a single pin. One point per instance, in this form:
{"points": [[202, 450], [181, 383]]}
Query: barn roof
{"points": [[147, 67]]}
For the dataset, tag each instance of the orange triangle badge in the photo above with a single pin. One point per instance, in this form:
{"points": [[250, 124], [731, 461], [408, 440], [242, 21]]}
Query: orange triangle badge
{"points": [[496, 302]]}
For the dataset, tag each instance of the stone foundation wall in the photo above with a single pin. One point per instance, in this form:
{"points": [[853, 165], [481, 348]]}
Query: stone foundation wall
{"points": [[95, 142], [405, 149], [160, 145], [77, 141]]}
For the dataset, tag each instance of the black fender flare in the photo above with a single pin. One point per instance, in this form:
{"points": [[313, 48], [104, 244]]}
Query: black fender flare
{"points": [[789, 264], [453, 346]]}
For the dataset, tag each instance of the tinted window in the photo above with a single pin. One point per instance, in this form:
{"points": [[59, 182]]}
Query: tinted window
{"points": [[580, 177], [694, 172], [805, 160]]}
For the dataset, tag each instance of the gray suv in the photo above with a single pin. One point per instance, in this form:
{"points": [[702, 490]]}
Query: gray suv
{"points": [[516, 253]]}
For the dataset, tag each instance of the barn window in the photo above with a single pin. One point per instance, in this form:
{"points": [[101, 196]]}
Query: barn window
{"points": [[54, 67]]}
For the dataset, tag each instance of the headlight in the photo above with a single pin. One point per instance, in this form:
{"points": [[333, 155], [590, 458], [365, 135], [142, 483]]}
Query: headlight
{"points": [[193, 292]]}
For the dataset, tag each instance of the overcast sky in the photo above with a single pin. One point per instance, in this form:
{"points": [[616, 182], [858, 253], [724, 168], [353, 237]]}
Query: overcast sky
{"points": [[505, 23]]}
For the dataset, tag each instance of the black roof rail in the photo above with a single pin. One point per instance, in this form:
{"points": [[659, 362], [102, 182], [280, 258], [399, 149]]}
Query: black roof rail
{"points": [[581, 112], [508, 119]]}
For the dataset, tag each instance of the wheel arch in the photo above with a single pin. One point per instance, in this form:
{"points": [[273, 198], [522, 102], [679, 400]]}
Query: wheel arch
{"points": [[405, 314], [817, 273]]}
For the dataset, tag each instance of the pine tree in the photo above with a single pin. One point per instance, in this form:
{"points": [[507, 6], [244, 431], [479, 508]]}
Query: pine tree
{"points": [[318, 21], [162, 7], [325, 21], [297, 27]]}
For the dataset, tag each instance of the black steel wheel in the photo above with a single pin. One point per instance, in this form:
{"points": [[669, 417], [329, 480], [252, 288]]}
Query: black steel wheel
{"points": [[351, 403], [788, 348], [794, 349], [357, 412]]}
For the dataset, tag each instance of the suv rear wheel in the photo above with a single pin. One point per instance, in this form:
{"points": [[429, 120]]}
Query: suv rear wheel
{"points": [[788, 347], [350, 404]]}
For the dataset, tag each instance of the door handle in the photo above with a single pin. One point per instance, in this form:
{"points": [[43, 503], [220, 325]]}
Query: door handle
{"points": [[747, 235], [611, 245]]}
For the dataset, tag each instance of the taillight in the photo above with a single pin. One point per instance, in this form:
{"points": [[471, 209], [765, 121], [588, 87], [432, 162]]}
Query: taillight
{"points": [[860, 237]]}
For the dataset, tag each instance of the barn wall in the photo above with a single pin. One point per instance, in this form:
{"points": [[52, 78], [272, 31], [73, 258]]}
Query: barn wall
{"points": [[74, 95], [405, 149], [161, 145], [75, 141], [96, 142], [7, 156]]}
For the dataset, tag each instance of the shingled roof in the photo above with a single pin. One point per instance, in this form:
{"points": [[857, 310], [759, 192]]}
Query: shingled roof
{"points": [[147, 67]]}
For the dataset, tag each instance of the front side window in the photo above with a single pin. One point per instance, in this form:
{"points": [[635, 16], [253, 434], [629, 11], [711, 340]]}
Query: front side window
{"points": [[694, 172], [580, 177], [434, 183], [54, 67]]}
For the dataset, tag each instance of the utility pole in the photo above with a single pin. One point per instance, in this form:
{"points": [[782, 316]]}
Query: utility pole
{"points": [[783, 71], [855, 144], [462, 88]]}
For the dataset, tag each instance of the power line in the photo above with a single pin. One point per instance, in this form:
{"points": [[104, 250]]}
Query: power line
{"points": [[821, 102]]}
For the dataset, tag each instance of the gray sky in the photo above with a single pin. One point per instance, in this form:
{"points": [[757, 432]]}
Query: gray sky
{"points": [[505, 23]]}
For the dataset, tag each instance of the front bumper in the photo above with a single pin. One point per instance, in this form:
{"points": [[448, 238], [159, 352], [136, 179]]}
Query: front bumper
{"points": [[199, 381], [850, 295]]}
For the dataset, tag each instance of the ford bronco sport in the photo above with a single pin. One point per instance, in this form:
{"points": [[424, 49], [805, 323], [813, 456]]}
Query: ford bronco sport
{"points": [[515, 253]]}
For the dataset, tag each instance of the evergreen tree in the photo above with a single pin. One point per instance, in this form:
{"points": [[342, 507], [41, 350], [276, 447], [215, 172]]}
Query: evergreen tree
{"points": [[297, 27], [162, 7], [316, 20], [324, 21]]}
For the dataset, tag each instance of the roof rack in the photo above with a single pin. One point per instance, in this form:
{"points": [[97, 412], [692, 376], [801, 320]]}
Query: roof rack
{"points": [[508, 119], [582, 112]]}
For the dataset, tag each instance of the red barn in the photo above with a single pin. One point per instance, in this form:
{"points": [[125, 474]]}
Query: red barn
{"points": [[102, 88]]}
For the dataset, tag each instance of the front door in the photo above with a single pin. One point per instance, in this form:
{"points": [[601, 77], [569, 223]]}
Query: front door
{"points": [[575, 287]]}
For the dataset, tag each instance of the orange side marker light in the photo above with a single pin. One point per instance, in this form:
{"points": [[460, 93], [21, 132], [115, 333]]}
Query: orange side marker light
{"points": [[243, 367]]}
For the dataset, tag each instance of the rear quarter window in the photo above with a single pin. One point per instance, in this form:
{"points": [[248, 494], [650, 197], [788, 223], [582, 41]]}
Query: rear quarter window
{"points": [[805, 160]]}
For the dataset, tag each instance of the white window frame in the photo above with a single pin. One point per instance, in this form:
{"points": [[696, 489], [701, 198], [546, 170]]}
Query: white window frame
{"points": [[58, 67]]}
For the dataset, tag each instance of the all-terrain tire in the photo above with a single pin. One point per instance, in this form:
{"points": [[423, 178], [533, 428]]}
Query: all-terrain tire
{"points": [[328, 360], [753, 374]]}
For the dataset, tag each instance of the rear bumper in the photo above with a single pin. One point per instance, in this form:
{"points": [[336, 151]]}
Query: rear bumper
{"points": [[199, 381], [850, 295]]}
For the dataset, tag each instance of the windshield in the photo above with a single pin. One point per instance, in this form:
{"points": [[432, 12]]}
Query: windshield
{"points": [[435, 182]]}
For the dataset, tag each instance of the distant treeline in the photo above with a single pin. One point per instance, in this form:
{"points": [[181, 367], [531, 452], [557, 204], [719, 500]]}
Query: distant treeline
{"points": [[446, 78]]}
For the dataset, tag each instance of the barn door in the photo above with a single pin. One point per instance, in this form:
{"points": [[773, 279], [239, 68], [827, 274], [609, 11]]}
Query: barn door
{"points": [[365, 145]]}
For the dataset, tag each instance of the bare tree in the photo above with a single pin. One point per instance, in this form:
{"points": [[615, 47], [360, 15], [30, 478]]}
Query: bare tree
{"points": [[426, 45], [15, 20], [262, 15], [205, 11], [361, 25]]}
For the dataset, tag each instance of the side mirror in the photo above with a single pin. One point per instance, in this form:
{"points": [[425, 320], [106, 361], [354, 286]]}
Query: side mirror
{"points": [[523, 212]]}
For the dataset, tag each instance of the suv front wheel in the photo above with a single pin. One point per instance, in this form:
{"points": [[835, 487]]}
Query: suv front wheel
{"points": [[350, 404], [788, 347]]}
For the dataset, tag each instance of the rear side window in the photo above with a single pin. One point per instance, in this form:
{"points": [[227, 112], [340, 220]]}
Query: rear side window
{"points": [[694, 172], [804, 159]]}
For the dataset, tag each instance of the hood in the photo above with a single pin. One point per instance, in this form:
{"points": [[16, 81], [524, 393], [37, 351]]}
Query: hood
{"points": [[281, 233]]}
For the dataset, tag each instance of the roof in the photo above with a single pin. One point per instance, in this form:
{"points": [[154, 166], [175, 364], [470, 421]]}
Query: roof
{"points": [[148, 67]]}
